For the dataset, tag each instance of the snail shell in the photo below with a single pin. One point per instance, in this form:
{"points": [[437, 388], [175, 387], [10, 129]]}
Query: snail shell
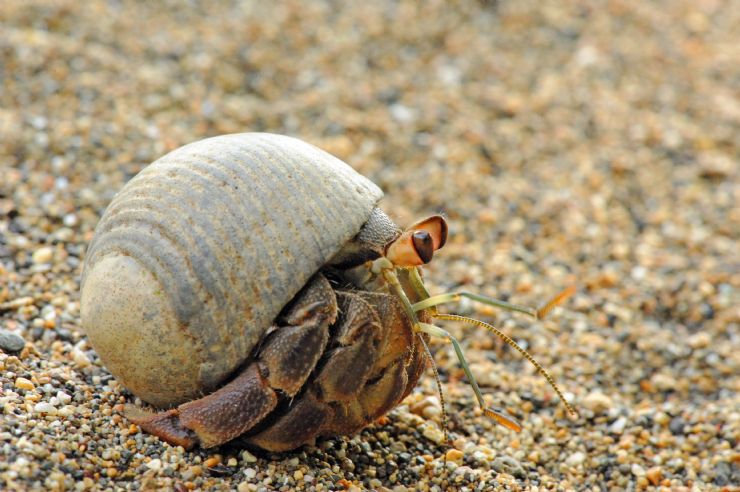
{"points": [[196, 256]]}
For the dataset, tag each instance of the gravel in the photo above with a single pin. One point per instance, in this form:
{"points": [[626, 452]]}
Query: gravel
{"points": [[582, 143]]}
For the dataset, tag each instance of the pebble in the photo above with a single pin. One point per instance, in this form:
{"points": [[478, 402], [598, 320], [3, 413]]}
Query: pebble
{"points": [[654, 475], [16, 303], [617, 427], [80, 358], [248, 457], [42, 255], [45, 408], [212, 461], [11, 342], [597, 402], [434, 434], [508, 465], [455, 456], [24, 384], [63, 397], [575, 459], [699, 340]]}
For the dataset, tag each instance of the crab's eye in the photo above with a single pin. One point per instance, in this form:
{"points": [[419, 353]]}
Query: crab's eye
{"points": [[436, 226], [423, 245], [417, 244]]}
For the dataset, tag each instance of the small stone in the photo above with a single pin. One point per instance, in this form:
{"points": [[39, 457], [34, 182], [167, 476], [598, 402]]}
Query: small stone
{"points": [[42, 255], [155, 464], [243, 487], [597, 402], [420, 406], [654, 475], [249, 457], [454, 455], [637, 470], [232, 462], [434, 434], [308, 478], [298, 475], [250, 472], [80, 358], [677, 425], [508, 465], [45, 407], [63, 397], [575, 459], [617, 427], [663, 382], [213, 461], [70, 220], [11, 342], [699, 340], [24, 384], [480, 457], [67, 410], [662, 418], [431, 412], [16, 303]]}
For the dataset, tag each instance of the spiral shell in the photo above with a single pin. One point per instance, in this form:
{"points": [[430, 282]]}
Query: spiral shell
{"points": [[195, 257]]}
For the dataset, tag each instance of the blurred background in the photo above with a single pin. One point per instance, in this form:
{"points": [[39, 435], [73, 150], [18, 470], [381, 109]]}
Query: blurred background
{"points": [[588, 143]]}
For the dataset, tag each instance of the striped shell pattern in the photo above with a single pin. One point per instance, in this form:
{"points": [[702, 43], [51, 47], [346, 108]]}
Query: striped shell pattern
{"points": [[195, 257]]}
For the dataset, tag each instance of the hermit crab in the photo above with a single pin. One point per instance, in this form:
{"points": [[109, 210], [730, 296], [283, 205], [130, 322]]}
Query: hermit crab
{"points": [[249, 286]]}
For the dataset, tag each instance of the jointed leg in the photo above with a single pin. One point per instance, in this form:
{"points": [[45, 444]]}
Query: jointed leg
{"points": [[498, 415], [455, 296]]}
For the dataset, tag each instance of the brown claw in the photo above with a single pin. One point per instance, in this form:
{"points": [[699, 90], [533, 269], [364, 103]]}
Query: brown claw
{"points": [[165, 425]]}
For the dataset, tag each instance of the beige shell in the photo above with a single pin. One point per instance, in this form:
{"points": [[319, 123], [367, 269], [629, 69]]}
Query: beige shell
{"points": [[195, 257]]}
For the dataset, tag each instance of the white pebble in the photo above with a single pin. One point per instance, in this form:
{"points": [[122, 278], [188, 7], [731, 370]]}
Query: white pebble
{"points": [[155, 464], [402, 114], [63, 397], [575, 459], [70, 220], [250, 472], [45, 407], [42, 255], [618, 425], [67, 410], [597, 402], [80, 358]]}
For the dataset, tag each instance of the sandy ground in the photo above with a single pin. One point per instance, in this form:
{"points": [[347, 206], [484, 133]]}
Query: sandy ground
{"points": [[586, 143]]}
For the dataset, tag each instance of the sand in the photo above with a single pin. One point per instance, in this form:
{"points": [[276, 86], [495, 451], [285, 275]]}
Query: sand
{"points": [[569, 143]]}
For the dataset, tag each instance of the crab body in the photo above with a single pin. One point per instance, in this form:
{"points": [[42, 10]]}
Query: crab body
{"points": [[227, 284]]}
